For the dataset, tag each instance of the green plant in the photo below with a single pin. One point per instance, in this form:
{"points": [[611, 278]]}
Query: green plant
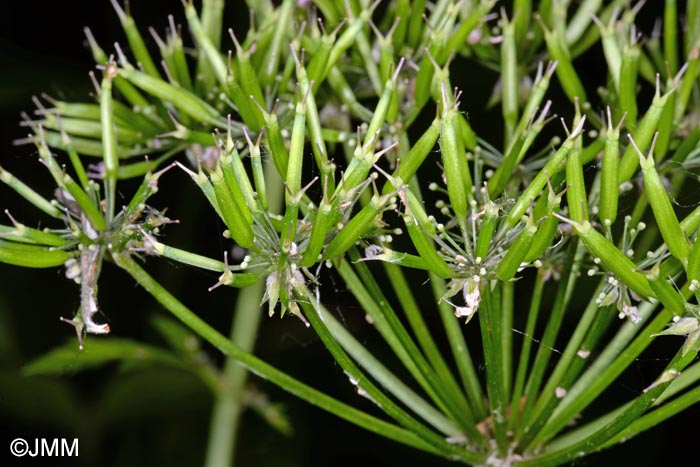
{"points": [[270, 140]]}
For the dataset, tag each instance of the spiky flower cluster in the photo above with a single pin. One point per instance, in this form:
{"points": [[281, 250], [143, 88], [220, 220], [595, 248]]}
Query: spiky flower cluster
{"points": [[267, 125]]}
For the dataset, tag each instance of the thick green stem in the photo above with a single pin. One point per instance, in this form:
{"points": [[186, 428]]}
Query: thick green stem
{"points": [[224, 424]]}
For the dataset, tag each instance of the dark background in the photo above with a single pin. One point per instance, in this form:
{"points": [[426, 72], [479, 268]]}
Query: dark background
{"points": [[157, 416]]}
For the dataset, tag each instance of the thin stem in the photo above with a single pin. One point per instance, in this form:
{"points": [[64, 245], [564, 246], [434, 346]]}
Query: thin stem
{"points": [[524, 361], [548, 340], [490, 324], [333, 333], [262, 369], [420, 328], [507, 302], [224, 424], [368, 292], [460, 351]]}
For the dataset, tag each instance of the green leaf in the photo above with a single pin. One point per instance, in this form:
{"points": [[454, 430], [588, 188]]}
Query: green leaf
{"points": [[176, 335], [67, 359]]}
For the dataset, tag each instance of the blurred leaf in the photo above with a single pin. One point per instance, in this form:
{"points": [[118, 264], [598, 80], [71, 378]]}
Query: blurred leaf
{"points": [[38, 401], [149, 395], [8, 342], [273, 413], [176, 335], [97, 353]]}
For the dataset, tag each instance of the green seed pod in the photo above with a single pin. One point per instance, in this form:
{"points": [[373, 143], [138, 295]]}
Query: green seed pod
{"points": [[423, 82], [241, 280], [136, 43], [415, 207], [410, 163], [536, 96], [148, 188], [363, 160], [402, 13], [591, 152], [296, 146], [32, 257], [240, 228], [690, 223], [548, 225], [358, 226], [609, 185], [244, 71], [78, 110], [109, 138], [232, 164], [382, 107], [212, 19], [231, 85], [86, 147], [347, 38], [92, 212], [516, 153], [29, 194], [26, 235], [329, 10], [322, 225], [386, 50], [139, 169], [690, 78], [666, 126], [465, 26], [613, 259], [345, 93], [415, 24], [316, 70], [568, 78], [542, 241], [552, 167], [91, 128], [143, 122], [205, 185], [177, 51], [516, 253], [21, 233], [425, 248], [501, 176], [692, 270], [509, 78], [130, 93], [576, 194], [686, 147], [270, 63], [486, 230], [671, 35], [666, 219], [666, 293], [240, 189], [643, 134], [275, 142], [372, 71], [628, 81], [318, 144], [454, 161], [258, 171], [183, 100]]}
